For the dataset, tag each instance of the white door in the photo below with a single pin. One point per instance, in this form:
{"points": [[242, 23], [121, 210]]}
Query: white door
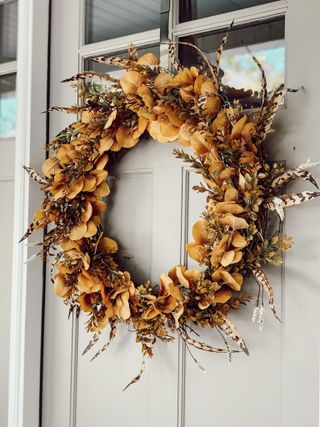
{"points": [[152, 209]]}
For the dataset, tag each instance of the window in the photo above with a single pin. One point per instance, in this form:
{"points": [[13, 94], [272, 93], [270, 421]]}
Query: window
{"points": [[266, 42], [8, 54], [8, 31], [195, 9], [7, 106], [107, 19], [258, 25]]}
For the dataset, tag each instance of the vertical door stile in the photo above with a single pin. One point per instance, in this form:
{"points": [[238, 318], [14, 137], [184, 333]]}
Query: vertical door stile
{"points": [[167, 16], [60, 333], [184, 227], [74, 355], [165, 254], [164, 32]]}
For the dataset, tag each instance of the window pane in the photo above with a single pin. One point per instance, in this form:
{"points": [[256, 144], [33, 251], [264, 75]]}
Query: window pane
{"points": [[195, 9], [8, 106], [265, 40], [8, 31], [107, 19]]}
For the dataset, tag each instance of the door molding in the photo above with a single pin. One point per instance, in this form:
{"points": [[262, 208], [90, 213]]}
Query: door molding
{"points": [[26, 302], [184, 221]]}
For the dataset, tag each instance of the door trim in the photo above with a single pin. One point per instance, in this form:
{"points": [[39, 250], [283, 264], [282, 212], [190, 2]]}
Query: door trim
{"points": [[26, 302]]}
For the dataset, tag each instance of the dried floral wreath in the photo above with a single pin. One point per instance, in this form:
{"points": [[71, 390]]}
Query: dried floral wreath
{"points": [[232, 240]]}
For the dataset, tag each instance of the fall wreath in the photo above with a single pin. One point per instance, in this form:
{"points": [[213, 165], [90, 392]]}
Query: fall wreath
{"points": [[232, 240]]}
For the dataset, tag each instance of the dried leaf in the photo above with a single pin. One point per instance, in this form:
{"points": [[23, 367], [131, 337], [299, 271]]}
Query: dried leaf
{"points": [[35, 175], [176, 65], [220, 49], [137, 378], [132, 52], [234, 222], [32, 227], [264, 91], [92, 342], [288, 200], [131, 81], [114, 60], [231, 331], [262, 278], [112, 334], [291, 174], [148, 59], [203, 56], [199, 345], [90, 75], [201, 101], [271, 109], [75, 109]]}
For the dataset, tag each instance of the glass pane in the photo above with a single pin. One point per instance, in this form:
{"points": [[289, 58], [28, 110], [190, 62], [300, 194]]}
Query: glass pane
{"points": [[195, 9], [8, 31], [265, 40], [107, 19], [8, 106]]}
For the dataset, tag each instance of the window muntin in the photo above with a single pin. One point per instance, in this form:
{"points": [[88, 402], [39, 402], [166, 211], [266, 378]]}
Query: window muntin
{"points": [[190, 10], [108, 19], [8, 31], [8, 106]]}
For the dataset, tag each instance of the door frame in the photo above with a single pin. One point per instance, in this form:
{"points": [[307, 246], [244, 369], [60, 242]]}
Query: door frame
{"points": [[27, 278]]}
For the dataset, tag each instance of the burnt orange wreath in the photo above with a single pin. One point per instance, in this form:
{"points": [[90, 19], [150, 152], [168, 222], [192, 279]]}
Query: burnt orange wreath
{"points": [[231, 241]]}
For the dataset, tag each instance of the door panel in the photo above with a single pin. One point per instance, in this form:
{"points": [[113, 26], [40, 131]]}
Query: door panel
{"points": [[57, 395], [129, 220], [223, 384], [145, 218], [100, 398]]}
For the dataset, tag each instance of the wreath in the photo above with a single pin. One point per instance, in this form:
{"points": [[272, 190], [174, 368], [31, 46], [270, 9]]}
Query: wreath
{"points": [[232, 240]]}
